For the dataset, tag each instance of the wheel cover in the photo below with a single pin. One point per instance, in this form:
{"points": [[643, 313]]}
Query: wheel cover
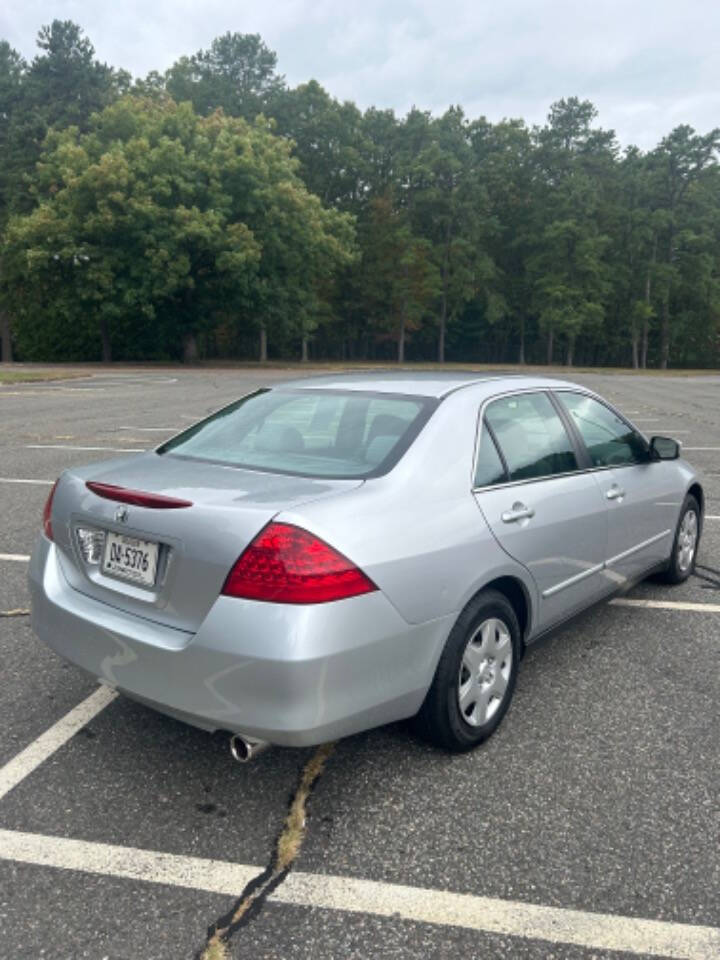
{"points": [[687, 540], [485, 671]]}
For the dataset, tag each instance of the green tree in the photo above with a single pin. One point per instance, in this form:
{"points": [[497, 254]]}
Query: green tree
{"points": [[631, 257], [157, 224], [63, 86], [448, 207], [570, 274], [328, 142], [680, 165], [505, 162], [12, 70], [237, 74], [12, 73], [380, 129], [400, 281], [482, 240]]}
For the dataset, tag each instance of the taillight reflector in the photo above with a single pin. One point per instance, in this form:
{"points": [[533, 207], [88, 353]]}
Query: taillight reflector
{"points": [[138, 498], [47, 513], [286, 564]]}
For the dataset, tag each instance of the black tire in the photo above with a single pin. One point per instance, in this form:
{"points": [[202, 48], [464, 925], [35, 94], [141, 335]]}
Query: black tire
{"points": [[440, 719], [675, 572]]}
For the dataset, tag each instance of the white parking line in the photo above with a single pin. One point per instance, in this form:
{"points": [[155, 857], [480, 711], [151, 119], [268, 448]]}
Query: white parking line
{"points": [[39, 750], [63, 446], [599, 931], [129, 378], [667, 605], [4, 392], [124, 378], [62, 389], [152, 429], [130, 863], [700, 448], [420, 905], [15, 557], [39, 390], [711, 516], [492, 915], [43, 483]]}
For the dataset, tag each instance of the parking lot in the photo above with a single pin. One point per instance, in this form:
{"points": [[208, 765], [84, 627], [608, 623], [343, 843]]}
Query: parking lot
{"points": [[588, 827]]}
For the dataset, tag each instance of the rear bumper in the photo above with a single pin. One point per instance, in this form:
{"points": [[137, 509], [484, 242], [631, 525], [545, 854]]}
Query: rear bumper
{"points": [[291, 675]]}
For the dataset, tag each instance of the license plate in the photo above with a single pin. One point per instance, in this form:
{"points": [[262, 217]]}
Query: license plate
{"points": [[130, 559]]}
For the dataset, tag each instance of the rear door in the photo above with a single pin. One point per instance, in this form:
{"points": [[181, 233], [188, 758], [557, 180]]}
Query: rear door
{"points": [[642, 495], [543, 510]]}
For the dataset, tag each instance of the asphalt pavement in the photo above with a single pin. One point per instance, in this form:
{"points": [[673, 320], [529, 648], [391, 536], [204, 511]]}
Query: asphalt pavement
{"points": [[600, 792]]}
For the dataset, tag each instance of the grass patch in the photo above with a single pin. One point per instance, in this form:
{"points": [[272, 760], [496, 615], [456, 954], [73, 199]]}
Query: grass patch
{"points": [[293, 833], [36, 376], [217, 950], [28, 373], [361, 366]]}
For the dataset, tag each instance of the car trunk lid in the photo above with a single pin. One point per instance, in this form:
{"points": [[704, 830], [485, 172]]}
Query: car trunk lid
{"points": [[200, 515]]}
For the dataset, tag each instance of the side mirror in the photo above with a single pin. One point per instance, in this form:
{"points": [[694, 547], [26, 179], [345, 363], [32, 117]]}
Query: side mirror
{"points": [[663, 448]]}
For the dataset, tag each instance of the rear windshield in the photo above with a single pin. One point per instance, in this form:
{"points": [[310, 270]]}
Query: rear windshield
{"points": [[309, 433]]}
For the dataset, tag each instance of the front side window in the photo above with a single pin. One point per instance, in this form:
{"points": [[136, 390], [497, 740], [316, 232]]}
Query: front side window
{"points": [[343, 434], [609, 440], [531, 436]]}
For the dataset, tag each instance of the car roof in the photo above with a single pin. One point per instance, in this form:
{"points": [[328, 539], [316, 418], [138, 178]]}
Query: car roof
{"points": [[416, 383]]}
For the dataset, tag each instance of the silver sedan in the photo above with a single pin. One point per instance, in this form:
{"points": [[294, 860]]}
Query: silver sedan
{"points": [[337, 553]]}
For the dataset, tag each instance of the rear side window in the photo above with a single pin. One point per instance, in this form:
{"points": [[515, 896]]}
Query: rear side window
{"points": [[489, 469], [531, 436], [609, 440], [308, 433]]}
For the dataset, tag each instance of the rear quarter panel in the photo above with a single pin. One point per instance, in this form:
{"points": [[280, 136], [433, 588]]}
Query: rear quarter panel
{"points": [[417, 531]]}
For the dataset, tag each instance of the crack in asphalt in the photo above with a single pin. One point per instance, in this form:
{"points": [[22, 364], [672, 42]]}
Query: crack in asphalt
{"points": [[286, 850], [289, 844], [714, 584]]}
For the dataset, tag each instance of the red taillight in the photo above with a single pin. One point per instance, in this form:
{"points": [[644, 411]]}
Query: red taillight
{"points": [[285, 564], [47, 513], [138, 498]]}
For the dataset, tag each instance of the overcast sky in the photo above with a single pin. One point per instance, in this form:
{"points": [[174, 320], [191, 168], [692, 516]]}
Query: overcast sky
{"points": [[648, 65]]}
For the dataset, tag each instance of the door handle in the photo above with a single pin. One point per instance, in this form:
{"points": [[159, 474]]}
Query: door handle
{"points": [[518, 512], [615, 493]]}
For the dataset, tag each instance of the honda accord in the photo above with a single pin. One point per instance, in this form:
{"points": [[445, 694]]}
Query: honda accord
{"points": [[336, 553]]}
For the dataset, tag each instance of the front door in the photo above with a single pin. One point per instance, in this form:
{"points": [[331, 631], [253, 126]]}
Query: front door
{"points": [[642, 502], [542, 510]]}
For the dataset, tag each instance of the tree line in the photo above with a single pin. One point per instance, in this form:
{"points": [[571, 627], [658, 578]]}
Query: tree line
{"points": [[215, 211]]}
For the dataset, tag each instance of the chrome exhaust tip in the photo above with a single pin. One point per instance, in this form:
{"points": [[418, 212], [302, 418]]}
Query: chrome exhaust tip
{"points": [[244, 749]]}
